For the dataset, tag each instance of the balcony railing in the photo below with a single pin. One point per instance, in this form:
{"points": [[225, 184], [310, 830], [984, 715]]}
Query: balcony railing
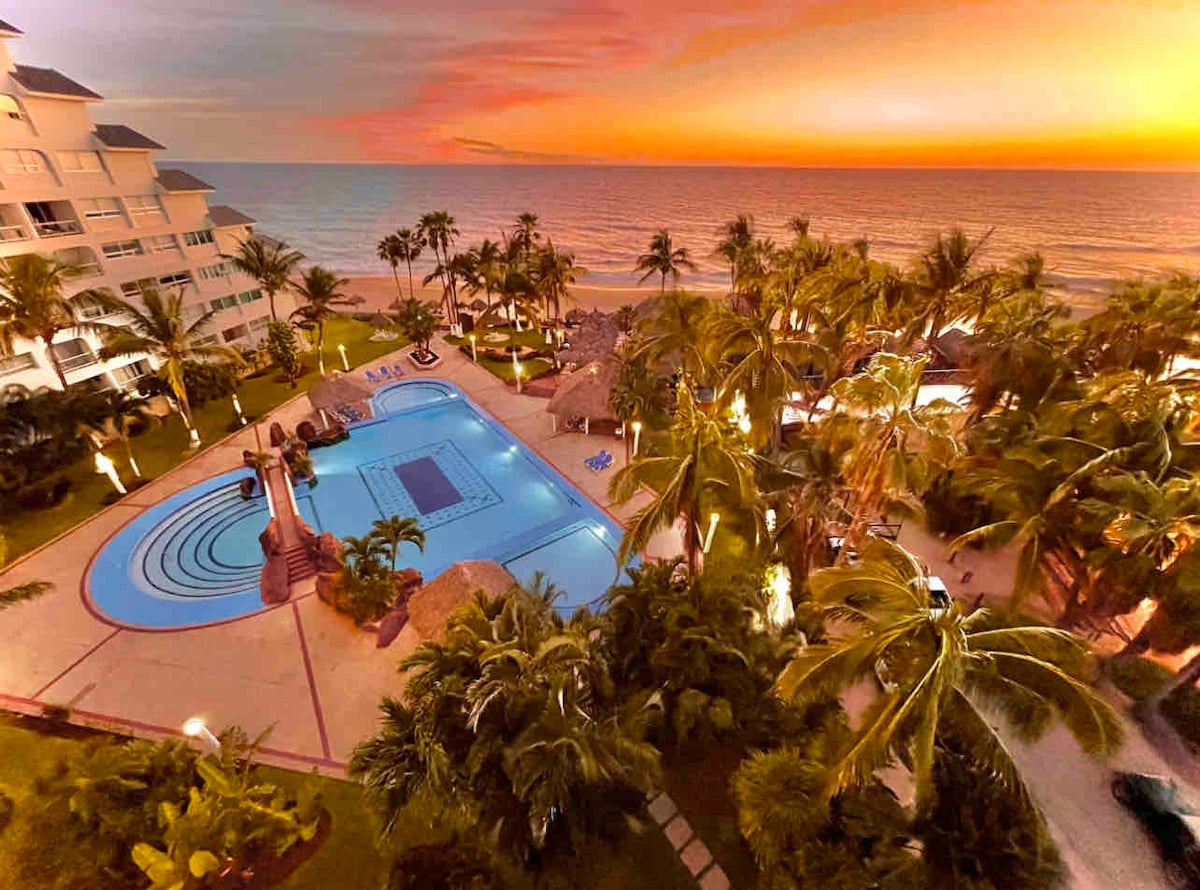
{"points": [[77, 361], [85, 270], [56, 227], [13, 233]]}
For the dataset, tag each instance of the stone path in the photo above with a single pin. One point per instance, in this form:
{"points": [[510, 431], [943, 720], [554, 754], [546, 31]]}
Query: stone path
{"points": [[692, 851]]}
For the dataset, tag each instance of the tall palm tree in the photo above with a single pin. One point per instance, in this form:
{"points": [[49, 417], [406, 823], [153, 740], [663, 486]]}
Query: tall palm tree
{"points": [[703, 465], [122, 413], [882, 424], [950, 286], [408, 246], [439, 229], [664, 259], [556, 272], [394, 531], [669, 332], [799, 225], [269, 262], [940, 673], [157, 328], [388, 250], [737, 236], [489, 263], [318, 288], [526, 235], [33, 305]]}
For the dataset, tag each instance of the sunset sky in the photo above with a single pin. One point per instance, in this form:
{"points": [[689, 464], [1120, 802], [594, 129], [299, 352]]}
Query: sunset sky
{"points": [[992, 83]]}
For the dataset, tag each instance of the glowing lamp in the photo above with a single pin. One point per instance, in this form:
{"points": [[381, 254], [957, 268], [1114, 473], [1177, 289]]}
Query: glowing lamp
{"points": [[104, 466], [713, 519], [345, 361], [777, 584], [637, 435], [196, 728]]}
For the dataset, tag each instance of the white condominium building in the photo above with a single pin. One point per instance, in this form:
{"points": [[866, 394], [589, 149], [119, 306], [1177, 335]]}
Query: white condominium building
{"points": [[90, 195]]}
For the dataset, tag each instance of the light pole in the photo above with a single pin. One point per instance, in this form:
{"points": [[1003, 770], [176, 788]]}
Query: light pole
{"points": [[195, 728], [517, 372], [105, 466], [345, 361], [237, 407], [474, 355], [637, 436], [713, 519]]}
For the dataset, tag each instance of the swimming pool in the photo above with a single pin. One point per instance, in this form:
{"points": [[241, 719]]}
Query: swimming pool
{"points": [[431, 453]]}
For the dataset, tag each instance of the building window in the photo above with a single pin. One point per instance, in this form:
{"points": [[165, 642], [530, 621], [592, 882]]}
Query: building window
{"points": [[176, 279], [141, 205], [132, 289], [195, 239], [14, 364], [162, 243], [206, 341], [234, 333], [223, 303], [100, 208], [118, 249], [260, 323], [216, 270], [9, 107], [22, 160], [79, 162], [249, 296]]}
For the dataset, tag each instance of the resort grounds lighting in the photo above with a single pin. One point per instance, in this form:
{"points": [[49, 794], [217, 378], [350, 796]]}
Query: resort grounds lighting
{"points": [[196, 728], [237, 407], [345, 361], [713, 519], [769, 520], [777, 583], [517, 371], [104, 465], [474, 354], [637, 436]]}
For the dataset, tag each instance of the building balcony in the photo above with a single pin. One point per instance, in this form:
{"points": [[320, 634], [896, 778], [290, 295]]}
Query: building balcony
{"points": [[55, 228], [75, 362], [13, 233]]}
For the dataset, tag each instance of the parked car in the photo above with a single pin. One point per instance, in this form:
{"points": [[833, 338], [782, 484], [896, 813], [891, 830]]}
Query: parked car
{"points": [[1172, 819]]}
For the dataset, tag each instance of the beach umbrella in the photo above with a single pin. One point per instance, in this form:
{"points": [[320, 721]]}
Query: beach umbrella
{"points": [[339, 389], [396, 304], [584, 393], [380, 320], [355, 300]]}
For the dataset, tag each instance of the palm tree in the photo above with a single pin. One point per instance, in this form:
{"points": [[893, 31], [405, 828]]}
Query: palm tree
{"points": [[948, 282], [489, 264], [408, 246], [269, 262], [122, 413], [388, 250], [438, 229], [940, 674], [318, 288], [799, 225], [704, 464], [882, 424], [556, 272], [33, 305], [664, 259], [157, 328], [737, 236], [669, 332], [394, 531], [525, 235]]}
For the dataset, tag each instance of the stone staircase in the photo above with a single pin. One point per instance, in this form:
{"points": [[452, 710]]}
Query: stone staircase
{"points": [[298, 565]]}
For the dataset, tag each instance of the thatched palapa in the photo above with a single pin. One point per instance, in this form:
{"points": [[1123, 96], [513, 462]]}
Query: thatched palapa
{"points": [[430, 606], [584, 393]]}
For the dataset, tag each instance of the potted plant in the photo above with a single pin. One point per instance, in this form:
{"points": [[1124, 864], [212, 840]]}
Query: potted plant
{"points": [[419, 324]]}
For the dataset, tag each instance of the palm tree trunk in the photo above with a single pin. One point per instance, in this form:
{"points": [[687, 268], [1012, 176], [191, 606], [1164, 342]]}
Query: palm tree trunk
{"points": [[321, 344], [133, 464], [662, 283], [396, 275], [690, 544], [62, 378], [410, 282], [271, 302]]}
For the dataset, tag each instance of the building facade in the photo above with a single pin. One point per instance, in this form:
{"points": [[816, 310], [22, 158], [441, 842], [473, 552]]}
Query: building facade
{"points": [[91, 195]]}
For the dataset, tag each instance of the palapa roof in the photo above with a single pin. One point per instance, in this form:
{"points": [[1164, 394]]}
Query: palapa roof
{"points": [[380, 320], [339, 389], [223, 216], [121, 136], [436, 601], [171, 180], [594, 340], [49, 82], [584, 393]]}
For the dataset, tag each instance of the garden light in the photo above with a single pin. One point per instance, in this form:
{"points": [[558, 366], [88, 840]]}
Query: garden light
{"points": [[777, 583], [104, 465], [237, 407], [713, 519], [637, 436], [474, 354], [345, 361], [196, 728]]}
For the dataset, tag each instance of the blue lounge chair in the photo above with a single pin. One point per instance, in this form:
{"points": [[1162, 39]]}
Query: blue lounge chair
{"points": [[601, 461], [398, 370], [384, 372], [371, 378]]}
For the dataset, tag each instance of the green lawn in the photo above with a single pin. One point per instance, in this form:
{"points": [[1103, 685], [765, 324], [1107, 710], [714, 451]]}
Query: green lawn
{"points": [[531, 369], [164, 446]]}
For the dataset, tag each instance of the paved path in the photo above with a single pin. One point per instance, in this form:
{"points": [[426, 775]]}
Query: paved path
{"points": [[299, 668]]}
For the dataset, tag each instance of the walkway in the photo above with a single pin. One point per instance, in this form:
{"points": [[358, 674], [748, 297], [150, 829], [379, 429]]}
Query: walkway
{"points": [[299, 668]]}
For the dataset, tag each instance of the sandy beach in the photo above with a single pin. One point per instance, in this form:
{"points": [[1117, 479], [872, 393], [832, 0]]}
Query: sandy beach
{"points": [[380, 290]]}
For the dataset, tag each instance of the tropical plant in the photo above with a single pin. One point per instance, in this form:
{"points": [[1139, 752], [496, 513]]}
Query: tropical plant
{"points": [[284, 351], [668, 333], [489, 267], [270, 262], [319, 289], [33, 305], [21, 592], [555, 272], [123, 414], [737, 238], [157, 328], [938, 673], [438, 229], [949, 285], [418, 323], [394, 531], [515, 720], [525, 236], [663, 258], [703, 465], [639, 394]]}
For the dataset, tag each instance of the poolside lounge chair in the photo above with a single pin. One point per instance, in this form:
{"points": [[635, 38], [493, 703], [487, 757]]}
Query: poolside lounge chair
{"points": [[371, 378], [398, 370], [601, 461], [384, 372]]}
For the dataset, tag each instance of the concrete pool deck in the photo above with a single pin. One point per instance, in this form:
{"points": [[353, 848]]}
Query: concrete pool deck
{"points": [[299, 668]]}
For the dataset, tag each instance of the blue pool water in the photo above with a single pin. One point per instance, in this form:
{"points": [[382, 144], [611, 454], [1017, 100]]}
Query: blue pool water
{"points": [[478, 492]]}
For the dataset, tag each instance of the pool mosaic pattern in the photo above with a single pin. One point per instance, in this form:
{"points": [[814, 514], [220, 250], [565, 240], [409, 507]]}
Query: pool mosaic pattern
{"points": [[478, 492]]}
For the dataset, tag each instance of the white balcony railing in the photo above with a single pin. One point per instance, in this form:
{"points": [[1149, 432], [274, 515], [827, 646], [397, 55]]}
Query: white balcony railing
{"points": [[13, 233], [77, 361], [56, 227]]}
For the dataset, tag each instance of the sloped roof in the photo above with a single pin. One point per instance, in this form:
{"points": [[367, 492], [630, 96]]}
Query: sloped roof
{"points": [[121, 136], [9, 29], [585, 392], [430, 606], [51, 82], [181, 181], [223, 216]]}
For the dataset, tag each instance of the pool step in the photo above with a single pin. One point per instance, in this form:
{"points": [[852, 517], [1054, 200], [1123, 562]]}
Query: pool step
{"points": [[298, 565]]}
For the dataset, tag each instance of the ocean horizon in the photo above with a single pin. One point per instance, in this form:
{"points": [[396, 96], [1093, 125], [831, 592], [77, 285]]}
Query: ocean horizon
{"points": [[1093, 227]]}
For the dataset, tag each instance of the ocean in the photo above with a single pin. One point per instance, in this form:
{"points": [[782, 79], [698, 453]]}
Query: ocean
{"points": [[1092, 227]]}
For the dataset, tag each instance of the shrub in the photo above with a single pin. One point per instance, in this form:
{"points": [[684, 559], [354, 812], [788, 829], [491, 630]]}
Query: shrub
{"points": [[282, 347], [949, 510], [206, 381], [455, 865], [1136, 677], [43, 495]]}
